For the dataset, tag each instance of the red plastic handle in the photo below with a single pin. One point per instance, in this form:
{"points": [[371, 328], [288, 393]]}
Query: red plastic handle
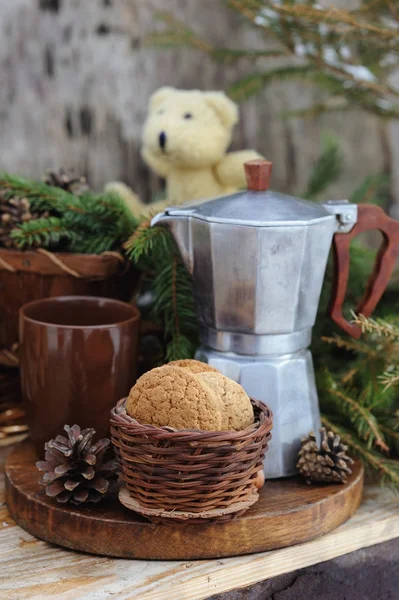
{"points": [[369, 217]]}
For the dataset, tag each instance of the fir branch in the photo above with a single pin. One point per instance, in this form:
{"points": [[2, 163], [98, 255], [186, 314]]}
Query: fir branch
{"points": [[351, 345], [175, 307], [254, 83], [93, 244], [361, 418], [373, 189], [153, 248], [179, 34], [349, 376], [379, 327], [98, 211], [333, 104], [232, 55], [147, 241], [350, 53], [88, 223], [391, 434], [41, 196], [327, 169], [179, 348], [176, 324], [390, 378], [336, 17], [41, 233], [387, 469], [389, 423]]}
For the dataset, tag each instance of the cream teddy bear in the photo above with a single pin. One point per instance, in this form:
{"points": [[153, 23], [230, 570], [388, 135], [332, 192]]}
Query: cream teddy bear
{"points": [[185, 138]]}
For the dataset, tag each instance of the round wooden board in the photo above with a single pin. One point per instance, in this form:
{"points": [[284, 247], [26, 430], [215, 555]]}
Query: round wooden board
{"points": [[287, 513]]}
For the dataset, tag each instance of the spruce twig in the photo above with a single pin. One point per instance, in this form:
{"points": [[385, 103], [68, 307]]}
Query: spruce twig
{"points": [[387, 469], [350, 344], [153, 249], [390, 378], [88, 223], [148, 241], [349, 53], [41, 233], [361, 417], [379, 327], [327, 169], [176, 324]]}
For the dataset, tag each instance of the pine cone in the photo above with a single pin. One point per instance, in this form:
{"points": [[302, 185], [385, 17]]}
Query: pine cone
{"points": [[329, 463], [67, 180], [75, 470], [13, 211]]}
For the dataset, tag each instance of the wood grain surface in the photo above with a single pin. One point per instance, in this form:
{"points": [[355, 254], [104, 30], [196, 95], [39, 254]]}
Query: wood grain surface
{"points": [[288, 512], [31, 569]]}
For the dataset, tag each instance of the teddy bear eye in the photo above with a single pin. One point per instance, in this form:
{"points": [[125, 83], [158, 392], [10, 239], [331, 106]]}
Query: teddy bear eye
{"points": [[188, 116]]}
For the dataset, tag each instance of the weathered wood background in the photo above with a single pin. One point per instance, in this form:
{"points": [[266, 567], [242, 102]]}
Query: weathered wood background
{"points": [[75, 77]]}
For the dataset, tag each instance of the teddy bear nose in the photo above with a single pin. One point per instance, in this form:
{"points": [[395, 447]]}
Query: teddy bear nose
{"points": [[162, 140]]}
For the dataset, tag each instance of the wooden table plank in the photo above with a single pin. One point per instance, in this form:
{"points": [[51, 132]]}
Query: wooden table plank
{"points": [[30, 568]]}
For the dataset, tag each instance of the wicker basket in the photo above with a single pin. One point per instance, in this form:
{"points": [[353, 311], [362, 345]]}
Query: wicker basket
{"points": [[189, 475]]}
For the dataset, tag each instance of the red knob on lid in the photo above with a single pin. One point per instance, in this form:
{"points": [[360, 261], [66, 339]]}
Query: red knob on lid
{"points": [[258, 174]]}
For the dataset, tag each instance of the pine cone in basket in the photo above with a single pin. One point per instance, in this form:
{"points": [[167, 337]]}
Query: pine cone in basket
{"points": [[67, 180], [329, 463], [13, 211], [74, 469]]}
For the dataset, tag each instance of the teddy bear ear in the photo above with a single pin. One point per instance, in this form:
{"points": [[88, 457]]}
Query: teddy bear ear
{"points": [[225, 108], [160, 95]]}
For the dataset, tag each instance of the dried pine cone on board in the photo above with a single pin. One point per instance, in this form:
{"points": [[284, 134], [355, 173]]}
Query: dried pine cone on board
{"points": [[74, 469], [327, 464]]}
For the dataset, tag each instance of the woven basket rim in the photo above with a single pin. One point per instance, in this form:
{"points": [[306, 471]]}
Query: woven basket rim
{"points": [[84, 266], [85, 255], [133, 504], [120, 418]]}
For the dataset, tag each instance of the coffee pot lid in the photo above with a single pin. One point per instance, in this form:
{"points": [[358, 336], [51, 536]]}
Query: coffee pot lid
{"points": [[257, 206]]}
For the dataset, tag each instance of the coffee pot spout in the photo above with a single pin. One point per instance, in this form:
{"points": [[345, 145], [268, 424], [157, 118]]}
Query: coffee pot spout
{"points": [[180, 227]]}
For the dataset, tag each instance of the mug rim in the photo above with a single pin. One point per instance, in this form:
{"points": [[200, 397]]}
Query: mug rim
{"points": [[135, 316]]}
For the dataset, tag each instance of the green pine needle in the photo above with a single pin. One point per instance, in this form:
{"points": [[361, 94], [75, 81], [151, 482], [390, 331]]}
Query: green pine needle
{"points": [[390, 377], [374, 189], [153, 249], [327, 169], [349, 53], [346, 403], [252, 84], [42, 233], [148, 241], [379, 327], [387, 470], [90, 223]]}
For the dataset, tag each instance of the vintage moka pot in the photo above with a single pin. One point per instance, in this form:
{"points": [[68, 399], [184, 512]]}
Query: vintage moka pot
{"points": [[258, 260]]}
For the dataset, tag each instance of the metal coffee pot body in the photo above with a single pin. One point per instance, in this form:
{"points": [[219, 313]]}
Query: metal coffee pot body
{"points": [[258, 260]]}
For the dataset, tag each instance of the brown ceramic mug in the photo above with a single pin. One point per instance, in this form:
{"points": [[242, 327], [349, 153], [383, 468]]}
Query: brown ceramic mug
{"points": [[78, 358]]}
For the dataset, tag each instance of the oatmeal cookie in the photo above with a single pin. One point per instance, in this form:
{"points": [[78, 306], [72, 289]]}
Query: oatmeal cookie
{"points": [[194, 366], [238, 412], [172, 396]]}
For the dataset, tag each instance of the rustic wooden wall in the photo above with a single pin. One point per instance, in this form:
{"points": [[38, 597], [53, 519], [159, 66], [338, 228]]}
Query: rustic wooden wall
{"points": [[75, 77]]}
